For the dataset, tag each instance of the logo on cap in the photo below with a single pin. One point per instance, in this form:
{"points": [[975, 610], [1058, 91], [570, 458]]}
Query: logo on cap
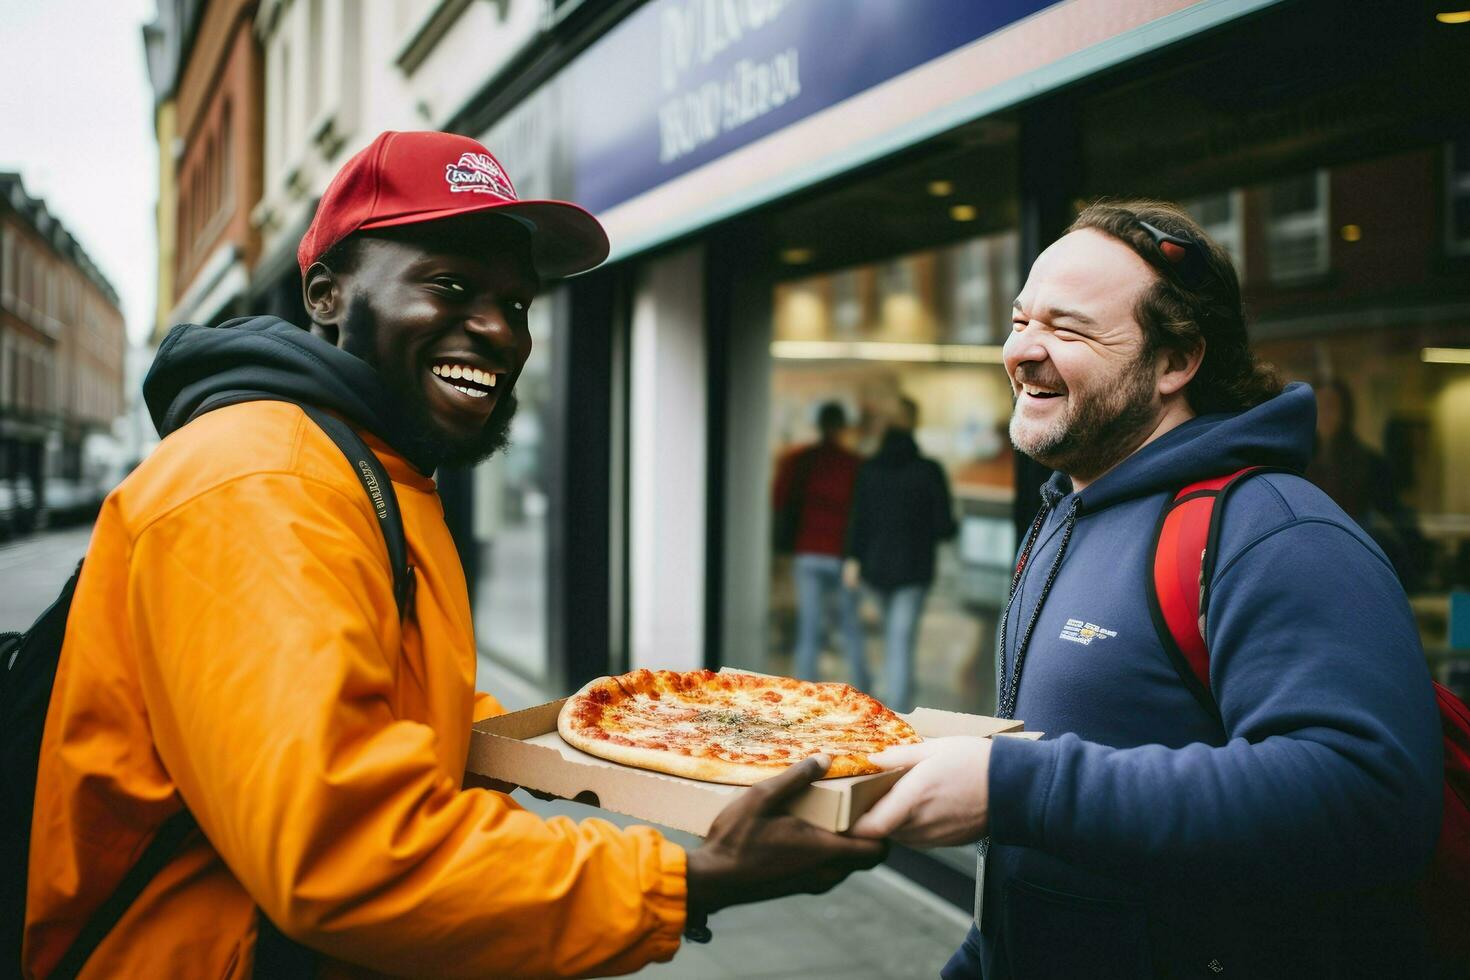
{"points": [[479, 174]]}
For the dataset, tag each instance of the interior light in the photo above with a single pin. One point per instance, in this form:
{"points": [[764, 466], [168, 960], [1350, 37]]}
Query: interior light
{"points": [[1445, 355], [796, 256], [941, 188], [963, 212], [1351, 233], [1454, 17]]}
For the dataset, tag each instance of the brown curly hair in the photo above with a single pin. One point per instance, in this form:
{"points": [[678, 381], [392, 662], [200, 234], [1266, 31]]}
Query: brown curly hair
{"points": [[1175, 316]]}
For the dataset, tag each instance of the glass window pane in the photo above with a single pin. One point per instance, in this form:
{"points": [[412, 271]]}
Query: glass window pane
{"points": [[929, 349], [1294, 195], [510, 506]]}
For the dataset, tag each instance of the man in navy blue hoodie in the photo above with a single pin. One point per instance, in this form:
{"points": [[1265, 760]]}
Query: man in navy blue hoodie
{"points": [[1143, 836]]}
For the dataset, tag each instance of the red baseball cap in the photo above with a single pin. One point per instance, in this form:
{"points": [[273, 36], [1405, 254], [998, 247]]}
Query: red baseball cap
{"points": [[409, 178]]}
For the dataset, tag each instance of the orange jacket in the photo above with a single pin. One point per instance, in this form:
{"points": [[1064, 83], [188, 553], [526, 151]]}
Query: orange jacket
{"points": [[234, 642]]}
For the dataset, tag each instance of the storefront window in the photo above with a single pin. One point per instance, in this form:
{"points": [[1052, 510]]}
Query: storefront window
{"points": [[1385, 343], [923, 327], [1350, 212], [510, 510], [1457, 196]]}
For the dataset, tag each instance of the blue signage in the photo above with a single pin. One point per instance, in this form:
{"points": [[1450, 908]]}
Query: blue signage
{"points": [[682, 82]]}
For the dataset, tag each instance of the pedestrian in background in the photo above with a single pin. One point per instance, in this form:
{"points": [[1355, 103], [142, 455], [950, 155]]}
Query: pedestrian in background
{"points": [[901, 511], [1359, 480], [812, 501]]}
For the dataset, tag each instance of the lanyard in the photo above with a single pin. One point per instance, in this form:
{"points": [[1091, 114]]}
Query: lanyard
{"points": [[1011, 684]]}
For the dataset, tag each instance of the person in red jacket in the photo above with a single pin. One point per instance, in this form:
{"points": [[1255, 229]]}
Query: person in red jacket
{"points": [[814, 487]]}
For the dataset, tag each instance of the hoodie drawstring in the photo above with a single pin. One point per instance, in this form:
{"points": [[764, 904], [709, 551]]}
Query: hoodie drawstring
{"points": [[1011, 686]]}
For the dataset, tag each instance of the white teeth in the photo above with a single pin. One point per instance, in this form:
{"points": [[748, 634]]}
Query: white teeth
{"points": [[472, 392], [466, 373], [1033, 390]]}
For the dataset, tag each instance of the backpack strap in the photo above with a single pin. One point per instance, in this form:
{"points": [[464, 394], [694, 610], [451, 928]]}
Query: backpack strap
{"points": [[276, 954], [369, 472], [161, 849], [1185, 544]]}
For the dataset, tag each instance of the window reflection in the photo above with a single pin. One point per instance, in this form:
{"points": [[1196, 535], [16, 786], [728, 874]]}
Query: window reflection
{"points": [[925, 326], [510, 500]]}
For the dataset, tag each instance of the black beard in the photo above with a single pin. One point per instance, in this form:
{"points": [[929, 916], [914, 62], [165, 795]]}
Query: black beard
{"points": [[1103, 430], [404, 388], [490, 440]]}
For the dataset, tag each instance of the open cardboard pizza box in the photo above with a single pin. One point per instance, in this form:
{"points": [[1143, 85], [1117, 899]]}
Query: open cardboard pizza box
{"points": [[523, 748]]}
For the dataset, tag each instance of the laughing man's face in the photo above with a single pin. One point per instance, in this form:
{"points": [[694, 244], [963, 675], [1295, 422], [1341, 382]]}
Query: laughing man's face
{"points": [[439, 310], [1085, 387]]}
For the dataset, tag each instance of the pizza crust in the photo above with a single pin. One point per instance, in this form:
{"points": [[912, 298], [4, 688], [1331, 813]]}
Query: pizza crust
{"points": [[610, 691], [673, 764]]}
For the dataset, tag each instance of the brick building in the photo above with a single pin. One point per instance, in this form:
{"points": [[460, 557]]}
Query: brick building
{"points": [[62, 344], [206, 68]]}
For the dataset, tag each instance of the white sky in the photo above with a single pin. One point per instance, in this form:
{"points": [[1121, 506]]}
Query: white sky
{"points": [[76, 121]]}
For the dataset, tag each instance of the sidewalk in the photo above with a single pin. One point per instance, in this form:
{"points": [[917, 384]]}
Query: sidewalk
{"points": [[877, 925]]}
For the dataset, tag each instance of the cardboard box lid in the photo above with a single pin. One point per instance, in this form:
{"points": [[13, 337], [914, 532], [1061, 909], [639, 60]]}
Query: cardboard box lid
{"points": [[523, 748]]}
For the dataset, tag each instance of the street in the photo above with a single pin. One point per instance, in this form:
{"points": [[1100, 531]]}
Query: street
{"points": [[32, 571], [875, 926]]}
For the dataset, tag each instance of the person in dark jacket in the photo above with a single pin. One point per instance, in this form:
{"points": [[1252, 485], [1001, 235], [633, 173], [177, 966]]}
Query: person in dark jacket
{"points": [[901, 510], [1145, 835], [1361, 482], [814, 486]]}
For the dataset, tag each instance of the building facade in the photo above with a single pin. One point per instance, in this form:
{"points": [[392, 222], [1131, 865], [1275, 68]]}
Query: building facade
{"points": [[205, 67], [339, 72], [62, 348], [796, 221]]}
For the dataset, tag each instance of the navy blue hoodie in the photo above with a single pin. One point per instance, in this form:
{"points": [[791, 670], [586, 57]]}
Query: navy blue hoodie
{"points": [[1142, 838]]}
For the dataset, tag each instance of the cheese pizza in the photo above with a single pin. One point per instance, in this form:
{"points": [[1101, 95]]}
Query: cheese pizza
{"points": [[728, 727]]}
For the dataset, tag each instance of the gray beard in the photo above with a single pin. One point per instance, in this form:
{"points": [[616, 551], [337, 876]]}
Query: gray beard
{"points": [[1096, 433]]}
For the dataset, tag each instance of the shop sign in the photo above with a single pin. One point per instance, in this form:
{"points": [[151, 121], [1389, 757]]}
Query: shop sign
{"points": [[649, 126], [682, 82]]}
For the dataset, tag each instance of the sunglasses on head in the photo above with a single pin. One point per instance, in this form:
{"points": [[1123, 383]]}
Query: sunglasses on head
{"points": [[1181, 252]]}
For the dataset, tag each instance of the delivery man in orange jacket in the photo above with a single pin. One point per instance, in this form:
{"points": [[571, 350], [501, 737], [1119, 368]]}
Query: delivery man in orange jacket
{"points": [[234, 644]]}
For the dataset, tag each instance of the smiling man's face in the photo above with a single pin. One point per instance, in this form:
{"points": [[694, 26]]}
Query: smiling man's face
{"points": [[439, 310], [1086, 392]]}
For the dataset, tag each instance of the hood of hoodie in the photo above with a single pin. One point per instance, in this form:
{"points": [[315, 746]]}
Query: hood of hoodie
{"points": [[196, 365], [1277, 432]]}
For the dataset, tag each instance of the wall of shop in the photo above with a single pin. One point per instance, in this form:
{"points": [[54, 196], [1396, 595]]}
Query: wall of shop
{"points": [[667, 431]]}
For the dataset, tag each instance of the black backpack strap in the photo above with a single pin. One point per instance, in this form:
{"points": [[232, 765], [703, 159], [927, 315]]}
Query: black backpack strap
{"points": [[165, 844], [369, 470], [277, 955]]}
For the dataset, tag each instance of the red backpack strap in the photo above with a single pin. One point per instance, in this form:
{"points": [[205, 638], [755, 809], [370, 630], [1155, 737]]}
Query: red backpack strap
{"points": [[1179, 575]]}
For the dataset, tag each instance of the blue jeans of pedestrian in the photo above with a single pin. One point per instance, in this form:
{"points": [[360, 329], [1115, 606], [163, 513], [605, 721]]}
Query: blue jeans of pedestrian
{"points": [[902, 607], [818, 579]]}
